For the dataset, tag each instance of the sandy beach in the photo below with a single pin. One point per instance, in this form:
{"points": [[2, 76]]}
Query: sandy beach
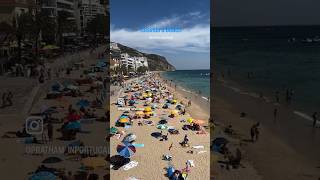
{"points": [[287, 147], [29, 98], [150, 164]]}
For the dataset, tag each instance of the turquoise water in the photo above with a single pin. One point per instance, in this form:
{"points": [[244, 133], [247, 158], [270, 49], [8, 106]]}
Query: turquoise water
{"points": [[191, 80]]}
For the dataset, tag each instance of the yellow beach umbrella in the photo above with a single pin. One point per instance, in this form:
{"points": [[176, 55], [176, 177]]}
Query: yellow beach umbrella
{"points": [[147, 109], [148, 113], [124, 120], [190, 120], [174, 101], [139, 113], [174, 112], [94, 162]]}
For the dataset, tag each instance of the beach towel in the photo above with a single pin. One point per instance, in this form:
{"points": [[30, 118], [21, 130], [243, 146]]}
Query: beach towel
{"points": [[200, 152], [138, 145], [197, 147], [130, 165]]}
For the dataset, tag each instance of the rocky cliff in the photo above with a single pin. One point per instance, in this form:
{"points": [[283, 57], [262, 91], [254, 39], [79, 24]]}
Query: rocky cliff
{"points": [[155, 62]]}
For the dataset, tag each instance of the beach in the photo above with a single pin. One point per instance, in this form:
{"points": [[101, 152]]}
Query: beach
{"points": [[287, 147], [21, 155], [149, 157]]}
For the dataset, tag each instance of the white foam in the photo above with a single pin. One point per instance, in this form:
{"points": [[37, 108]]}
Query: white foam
{"points": [[303, 115]]}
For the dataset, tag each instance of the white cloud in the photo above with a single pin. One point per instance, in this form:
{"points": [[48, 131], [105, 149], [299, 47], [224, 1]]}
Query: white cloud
{"points": [[193, 38]]}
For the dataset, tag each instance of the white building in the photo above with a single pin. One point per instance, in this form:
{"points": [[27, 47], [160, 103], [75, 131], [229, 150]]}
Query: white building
{"points": [[133, 62], [140, 61], [87, 10], [114, 46]]}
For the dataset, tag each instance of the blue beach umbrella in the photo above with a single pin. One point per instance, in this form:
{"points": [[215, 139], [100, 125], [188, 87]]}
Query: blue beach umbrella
{"points": [[170, 171], [126, 150], [83, 103], [73, 125], [43, 175]]}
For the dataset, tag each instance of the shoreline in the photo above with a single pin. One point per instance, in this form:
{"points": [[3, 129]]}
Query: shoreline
{"points": [[287, 141], [202, 105]]}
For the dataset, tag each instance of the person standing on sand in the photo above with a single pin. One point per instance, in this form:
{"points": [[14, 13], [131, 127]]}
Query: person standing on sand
{"points": [[189, 103], [170, 146], [315, 117]]}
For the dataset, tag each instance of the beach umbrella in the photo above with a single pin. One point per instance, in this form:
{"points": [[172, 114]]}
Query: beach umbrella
{"points": [[131, 102], [113, 130], [153, 106], [162, 121], [170, 171], [94, 162], [190, 120], [174, 112], [162, 126], [174, 101], [139, 113], [198, 121], [126, 150], [147, 109], [129, 138], [124, 120], [73, 125], [179, 106], [51, 160], [43, 175], [83, 103]]}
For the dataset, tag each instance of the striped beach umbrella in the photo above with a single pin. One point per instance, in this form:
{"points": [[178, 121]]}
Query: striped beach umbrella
{"points": [[126, 150]]}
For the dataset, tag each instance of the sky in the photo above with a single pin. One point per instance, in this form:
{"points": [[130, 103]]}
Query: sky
{"points": [[266, 12], [188, 49]]}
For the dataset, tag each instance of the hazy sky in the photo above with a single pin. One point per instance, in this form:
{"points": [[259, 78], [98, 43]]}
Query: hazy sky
{"points": [[266, 12], [189, 49]]}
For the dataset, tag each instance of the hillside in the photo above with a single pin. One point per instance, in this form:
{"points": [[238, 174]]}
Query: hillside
{"points": [[155, 62]]}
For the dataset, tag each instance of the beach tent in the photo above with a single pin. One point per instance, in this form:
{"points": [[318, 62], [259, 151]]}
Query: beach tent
{"points": [[174, 101], [217, 143], [56, 87], [170, 171], [126, 150], [153, 106], [43, 175], [94, 162], [129, 138]]}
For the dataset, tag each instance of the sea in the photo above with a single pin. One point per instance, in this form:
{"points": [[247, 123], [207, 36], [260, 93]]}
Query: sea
{"points": [[276, 58], [196, 81]]}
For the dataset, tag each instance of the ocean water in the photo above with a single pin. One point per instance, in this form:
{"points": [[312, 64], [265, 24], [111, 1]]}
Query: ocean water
{"points": [[279, 58], [191, 80]]}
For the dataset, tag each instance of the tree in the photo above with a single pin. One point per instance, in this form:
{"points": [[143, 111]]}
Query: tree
{"points": [[142, 69]]}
